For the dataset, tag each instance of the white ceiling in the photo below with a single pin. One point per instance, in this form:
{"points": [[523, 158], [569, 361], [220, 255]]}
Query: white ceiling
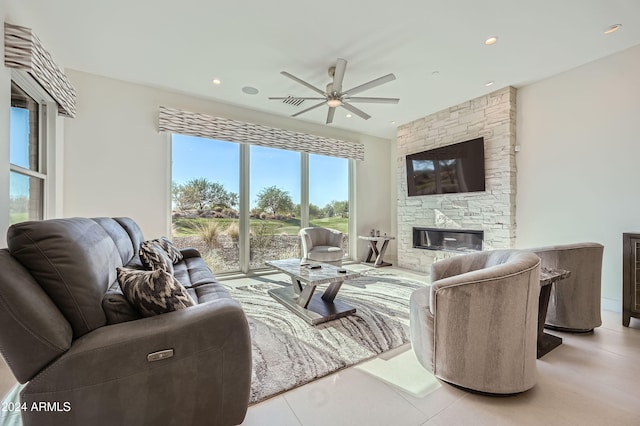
{"points": [[434, 47]]}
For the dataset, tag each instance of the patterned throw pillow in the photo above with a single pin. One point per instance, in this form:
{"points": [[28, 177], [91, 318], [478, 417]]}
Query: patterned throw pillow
{"points": [[166, 245], [153, 292], [154, 257]]}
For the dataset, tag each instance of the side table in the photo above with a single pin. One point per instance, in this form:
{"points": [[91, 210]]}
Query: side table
{"points": [[373, 249]]}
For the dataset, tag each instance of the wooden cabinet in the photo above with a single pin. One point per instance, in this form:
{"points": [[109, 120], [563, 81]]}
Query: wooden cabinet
{"points": [[630, 277]]}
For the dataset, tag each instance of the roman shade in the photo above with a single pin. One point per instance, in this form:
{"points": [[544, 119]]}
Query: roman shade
{"points": [[202, 125], [24, 51]]}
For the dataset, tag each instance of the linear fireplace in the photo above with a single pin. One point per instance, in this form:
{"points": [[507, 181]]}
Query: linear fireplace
{"points": [[447, 239]]}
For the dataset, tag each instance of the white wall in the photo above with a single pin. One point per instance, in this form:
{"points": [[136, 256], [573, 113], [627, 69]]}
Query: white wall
{"points": [[579, 164], [116, 162], [5, 98]]}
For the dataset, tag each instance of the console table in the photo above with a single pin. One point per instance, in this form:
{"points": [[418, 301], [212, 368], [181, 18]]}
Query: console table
{"points": [[373, 249]]}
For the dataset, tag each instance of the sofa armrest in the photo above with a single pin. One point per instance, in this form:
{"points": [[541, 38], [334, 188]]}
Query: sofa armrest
{"points": [[106, 377], [190, 252]]}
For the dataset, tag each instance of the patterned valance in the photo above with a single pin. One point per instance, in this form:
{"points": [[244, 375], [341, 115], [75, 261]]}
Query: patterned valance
{"points": [[194, 124], [23, 51]]}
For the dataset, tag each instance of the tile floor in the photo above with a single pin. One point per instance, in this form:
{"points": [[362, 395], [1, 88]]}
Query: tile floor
{"points": [[591, 379]]}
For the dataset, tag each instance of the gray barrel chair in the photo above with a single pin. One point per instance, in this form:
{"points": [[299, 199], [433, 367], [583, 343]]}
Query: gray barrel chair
{"points": [[476, 325], [574, 303], [322, 245]]}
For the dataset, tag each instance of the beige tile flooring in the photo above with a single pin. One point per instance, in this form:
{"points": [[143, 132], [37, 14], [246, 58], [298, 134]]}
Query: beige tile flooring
{"points": [[591, 379]]}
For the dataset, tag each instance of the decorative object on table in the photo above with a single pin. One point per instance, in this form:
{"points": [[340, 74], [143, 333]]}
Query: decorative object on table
{"points": [[321, 245], [476, 325], [574, 305], [373, 249]]}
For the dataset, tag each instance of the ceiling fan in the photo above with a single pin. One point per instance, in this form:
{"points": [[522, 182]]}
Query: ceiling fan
{"points": [[335, 97]]}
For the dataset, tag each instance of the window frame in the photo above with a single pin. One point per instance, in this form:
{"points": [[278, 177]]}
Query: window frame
{"points": [[46, 140]]}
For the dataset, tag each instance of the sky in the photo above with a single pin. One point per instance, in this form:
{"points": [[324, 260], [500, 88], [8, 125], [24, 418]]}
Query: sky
{"points": [[219, 161], [19, 150]]}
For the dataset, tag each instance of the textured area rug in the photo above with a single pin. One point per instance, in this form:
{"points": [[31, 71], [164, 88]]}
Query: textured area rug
{"points": [[288, 352]]}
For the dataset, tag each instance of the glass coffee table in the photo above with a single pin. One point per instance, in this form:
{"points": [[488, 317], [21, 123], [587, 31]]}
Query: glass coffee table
{"points": [[302, 299]]}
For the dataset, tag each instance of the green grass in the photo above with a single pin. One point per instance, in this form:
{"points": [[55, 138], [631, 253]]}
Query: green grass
{"points": [[18, 217], [184, 227]]}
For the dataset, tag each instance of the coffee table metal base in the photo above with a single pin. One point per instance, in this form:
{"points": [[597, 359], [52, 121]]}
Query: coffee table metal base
{"points": [[317, 310]]}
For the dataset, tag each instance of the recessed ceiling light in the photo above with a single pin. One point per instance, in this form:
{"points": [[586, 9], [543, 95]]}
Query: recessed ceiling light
{"points": [[349, 116], [612, 29], [250, 90], [489, 83], [216, 81], [491, 40], [392, 122]]}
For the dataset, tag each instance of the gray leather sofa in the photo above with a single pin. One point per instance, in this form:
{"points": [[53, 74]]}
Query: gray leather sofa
{"points": [[67, 331]]}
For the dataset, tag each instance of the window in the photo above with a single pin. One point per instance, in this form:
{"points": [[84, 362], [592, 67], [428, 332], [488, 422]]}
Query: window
{"points": [[262, 197], [329, 194], [26, 156], [205, 188]]}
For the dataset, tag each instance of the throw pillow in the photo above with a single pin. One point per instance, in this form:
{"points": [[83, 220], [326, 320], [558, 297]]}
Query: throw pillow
{"points": [[153, 292], [168, 247], [154, 257]]}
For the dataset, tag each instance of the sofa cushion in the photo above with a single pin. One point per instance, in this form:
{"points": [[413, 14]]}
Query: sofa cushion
{"points": [[117, 307], [154, 256], [174, 254], [153, 292], [73, 260]]}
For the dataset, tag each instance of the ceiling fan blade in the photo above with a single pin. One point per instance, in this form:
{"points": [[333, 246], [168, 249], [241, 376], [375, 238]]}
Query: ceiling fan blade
{"points": [[356, 111], [373, 83], [338, 75], [330, 115], [374, 100], [304, 83], [309, 109], [282, 98]]}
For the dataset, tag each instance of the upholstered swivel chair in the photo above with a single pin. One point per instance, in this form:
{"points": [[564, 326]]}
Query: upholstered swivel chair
{"points": [[476, 325], [322, 245], [574, 303]]}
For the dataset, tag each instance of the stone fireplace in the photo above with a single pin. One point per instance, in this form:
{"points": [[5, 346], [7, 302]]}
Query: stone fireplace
{"points": [[492, 212]]}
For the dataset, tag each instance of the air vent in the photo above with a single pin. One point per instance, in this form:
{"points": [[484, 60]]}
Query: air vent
{"points": [[290, 100]]}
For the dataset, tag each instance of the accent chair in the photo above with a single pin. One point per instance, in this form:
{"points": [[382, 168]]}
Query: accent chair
{"points": [[476, 325], [574, 303], [322, 245]]}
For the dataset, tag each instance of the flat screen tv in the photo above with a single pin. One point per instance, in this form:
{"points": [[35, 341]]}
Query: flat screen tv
{"points": [[448, 169]]}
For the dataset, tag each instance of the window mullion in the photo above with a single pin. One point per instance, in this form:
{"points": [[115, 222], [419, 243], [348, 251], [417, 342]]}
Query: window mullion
{"points": [[304, 190]]}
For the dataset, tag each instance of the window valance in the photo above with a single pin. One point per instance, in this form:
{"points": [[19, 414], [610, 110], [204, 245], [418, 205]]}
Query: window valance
{"points": [[202, 125], [24, 51]]}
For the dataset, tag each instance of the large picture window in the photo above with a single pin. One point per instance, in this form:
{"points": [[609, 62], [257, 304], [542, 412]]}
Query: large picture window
{"points": [[26, 156], [285, 189]]}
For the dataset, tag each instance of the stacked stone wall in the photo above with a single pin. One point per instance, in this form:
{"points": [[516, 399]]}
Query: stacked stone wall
{"points": [[493, 117]]}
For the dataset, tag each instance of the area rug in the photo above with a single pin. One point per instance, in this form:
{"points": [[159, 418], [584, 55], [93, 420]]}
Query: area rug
{"points": [[288, 352]]}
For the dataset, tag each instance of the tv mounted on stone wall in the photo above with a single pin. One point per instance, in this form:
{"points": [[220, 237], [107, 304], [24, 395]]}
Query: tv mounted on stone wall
{"points": [[449, 169]]}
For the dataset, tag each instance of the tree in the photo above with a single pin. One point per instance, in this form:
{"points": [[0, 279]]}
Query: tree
{"points": [[274, 200], [314, 211], [341, 208], [200, 193]]}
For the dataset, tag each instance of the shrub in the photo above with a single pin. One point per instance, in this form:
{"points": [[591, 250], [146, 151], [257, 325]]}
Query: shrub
{"points": [[233, 231], [209, 232]]}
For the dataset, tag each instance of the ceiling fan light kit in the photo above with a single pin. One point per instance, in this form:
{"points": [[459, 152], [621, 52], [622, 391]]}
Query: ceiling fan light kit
{"points": [[335, 97]]}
